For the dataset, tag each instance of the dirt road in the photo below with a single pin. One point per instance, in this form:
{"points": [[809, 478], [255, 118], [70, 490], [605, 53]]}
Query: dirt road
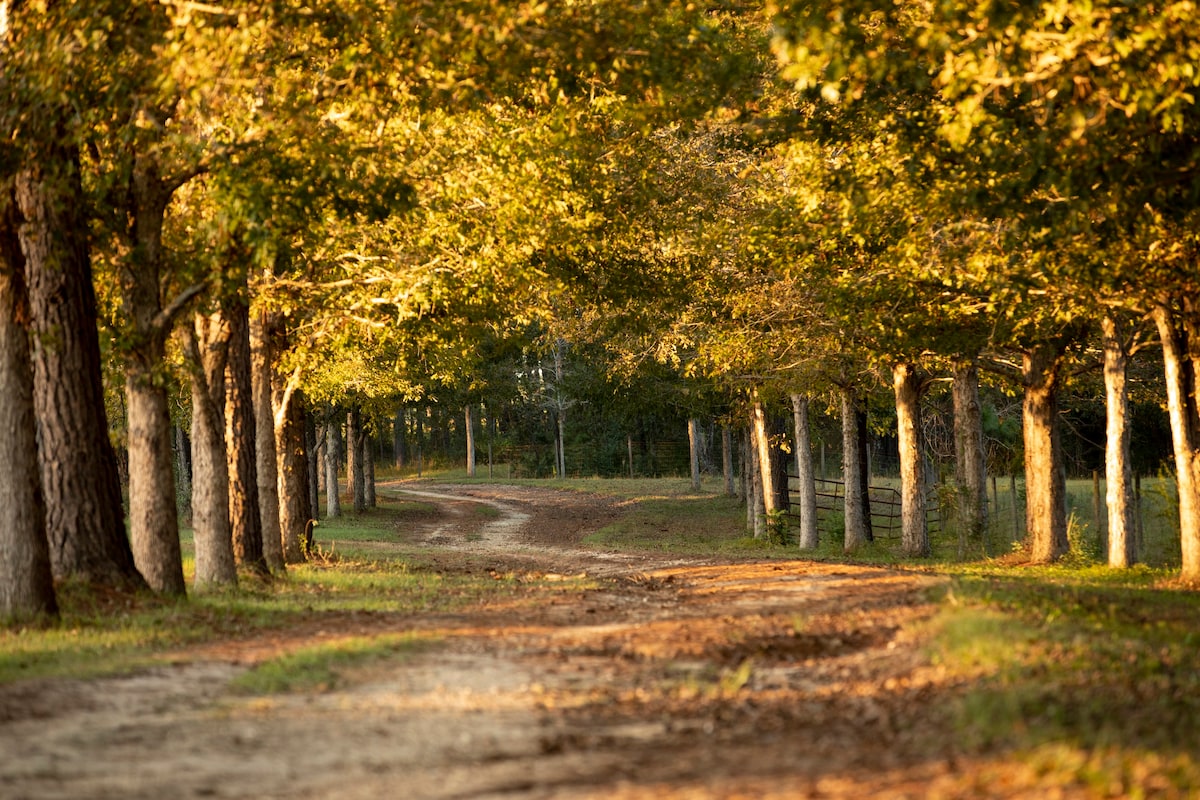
{"points": [[675, 677]]}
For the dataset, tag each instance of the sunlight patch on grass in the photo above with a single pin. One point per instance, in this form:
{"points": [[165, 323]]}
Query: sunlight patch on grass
{"points": [[319, 667], [1086, 676]]}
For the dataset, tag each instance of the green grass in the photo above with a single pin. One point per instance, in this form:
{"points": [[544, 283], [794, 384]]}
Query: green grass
{"points": [[625, 488], [102, 634], [1087, 675], [320, 667], [683, 524]]}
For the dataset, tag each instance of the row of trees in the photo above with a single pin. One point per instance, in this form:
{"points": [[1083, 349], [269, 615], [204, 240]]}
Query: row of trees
{"points": [[291, 207], [1013, 189], [219, 187], [941, 191]]}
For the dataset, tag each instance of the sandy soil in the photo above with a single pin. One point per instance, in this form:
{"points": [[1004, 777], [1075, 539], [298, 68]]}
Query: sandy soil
{"points": [[676, 677]]}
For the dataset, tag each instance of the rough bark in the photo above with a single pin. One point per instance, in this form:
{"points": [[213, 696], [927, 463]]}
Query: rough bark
{"points": [[909, 385], [265, 454], [1180, 363], [26, 583], [153, 518], [1118, 470], [333, 454], [856, 534], [694, 452], [294, 519], [205, 346], [80, 480], [806, 485], [241, 433], [970, 466], [1045, 512], [153, 523]]}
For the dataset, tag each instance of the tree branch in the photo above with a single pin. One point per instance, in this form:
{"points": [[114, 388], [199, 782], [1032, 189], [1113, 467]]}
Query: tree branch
{"points": [[166, 318]]}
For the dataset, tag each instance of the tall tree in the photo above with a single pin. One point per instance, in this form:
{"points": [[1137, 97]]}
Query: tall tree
{"points": [[355, 467], [970, 467], [241, 434], [333, 455], [910, 384], [206, 345], [79, 469], [26, 585], [1045, 511], [857, 521], [1118, 470], [265, 455], [806, 484]]}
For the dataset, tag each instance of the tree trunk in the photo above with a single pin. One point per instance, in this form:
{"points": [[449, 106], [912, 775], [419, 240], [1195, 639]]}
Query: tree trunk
{"points": [[26, 583], [560, 433], [312, 461], [777, 437], [806, 485], [756, 520], [1045, 492], [153, 523], [1118, 470], [914, 530], [864, 465], [293, 478], [970, 466], [245, 515], [469, 413], [762, 452], [694, 452], [153, 516], [81, 487], [369, 471], [333, 455], [183, 472], [206, 348], [266, 457], [560, 444], [354, 459], [1180, 366], [856, 526], [356, 474]]}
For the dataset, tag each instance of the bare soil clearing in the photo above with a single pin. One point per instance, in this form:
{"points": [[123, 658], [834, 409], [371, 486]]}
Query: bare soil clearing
{"points": [[672, 677]]}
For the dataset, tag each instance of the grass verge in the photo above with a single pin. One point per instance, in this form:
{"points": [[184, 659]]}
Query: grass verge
{"points": [[1082, 677], [319, 667]]}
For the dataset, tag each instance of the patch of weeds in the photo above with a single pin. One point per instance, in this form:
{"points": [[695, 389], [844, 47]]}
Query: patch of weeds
{"points": [[320, 667]]}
